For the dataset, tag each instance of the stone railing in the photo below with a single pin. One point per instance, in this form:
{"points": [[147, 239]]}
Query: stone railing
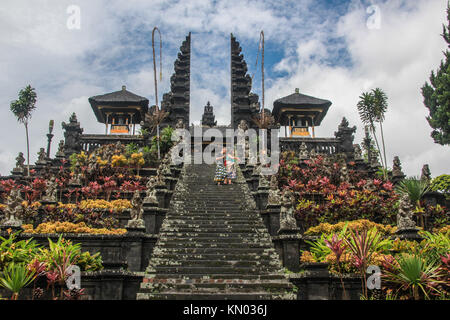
{"points": [[320, 145], [92, 141]]}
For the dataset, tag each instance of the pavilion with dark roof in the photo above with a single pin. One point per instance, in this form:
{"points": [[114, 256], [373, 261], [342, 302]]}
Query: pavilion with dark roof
{"points": [[300, 112], [119, 110]]}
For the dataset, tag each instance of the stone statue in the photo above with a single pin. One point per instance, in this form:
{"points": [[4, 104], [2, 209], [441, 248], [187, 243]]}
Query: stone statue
{"points": [[20, 164], [160, 180], [243, 125], [72, 133], [344, 173], [42, 155], [51, 190], [405, 214], [60, 152], [287, 219], [397, 167], [179, 124], [150, 196], [312, 154], [263, 182], [20, 160], [426, 173], [14, 209], [303, 152], [357, 153], [370, 186], [76, 178], [274, 193], [137, 211], [92, 163]]}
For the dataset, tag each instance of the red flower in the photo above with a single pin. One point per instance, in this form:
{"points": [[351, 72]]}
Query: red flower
{"points": [[388, 186]]}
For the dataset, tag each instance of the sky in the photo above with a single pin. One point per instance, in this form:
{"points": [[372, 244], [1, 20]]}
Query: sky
{"points": [[330, 49]]}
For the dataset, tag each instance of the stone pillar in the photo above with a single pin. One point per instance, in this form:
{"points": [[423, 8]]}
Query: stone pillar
{"points": [[72, 134], [290, 249]]}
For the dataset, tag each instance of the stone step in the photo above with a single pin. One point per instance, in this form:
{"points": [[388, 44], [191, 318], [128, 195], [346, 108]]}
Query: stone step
{"points": [[210, 296], [213, 245], [230, 264], [201, 277], [233, 285], [215, 256], [213, 229], [215, 240], [215, 270], [226, 250]]}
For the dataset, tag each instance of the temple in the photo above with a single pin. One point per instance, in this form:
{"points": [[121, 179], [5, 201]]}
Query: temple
{"points": [[244, 103], [120, 111], [300, 112], [177, 101]]}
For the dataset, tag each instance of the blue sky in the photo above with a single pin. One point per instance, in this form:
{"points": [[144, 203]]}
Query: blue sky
{"points": [[325, 48]]}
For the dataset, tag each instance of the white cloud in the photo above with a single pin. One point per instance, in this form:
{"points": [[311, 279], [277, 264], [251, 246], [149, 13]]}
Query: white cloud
{"points": [[113, 48]]}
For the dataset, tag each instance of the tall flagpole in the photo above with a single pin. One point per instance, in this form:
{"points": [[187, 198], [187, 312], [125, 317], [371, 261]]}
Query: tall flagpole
{"points": [[156, 82]]}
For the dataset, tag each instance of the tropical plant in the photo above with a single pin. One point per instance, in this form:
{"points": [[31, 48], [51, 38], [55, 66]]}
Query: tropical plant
{"points": [[363, 245], [22, 108], [441, 183], [412, 273], [15, 277]]}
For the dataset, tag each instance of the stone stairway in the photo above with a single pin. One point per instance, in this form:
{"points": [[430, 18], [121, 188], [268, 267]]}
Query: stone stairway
{"points": [[213, 245]]}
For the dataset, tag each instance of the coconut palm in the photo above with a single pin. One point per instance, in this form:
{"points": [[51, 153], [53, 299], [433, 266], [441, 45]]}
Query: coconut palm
{"points": [[379, 109], [368, 115], [22, 109]]}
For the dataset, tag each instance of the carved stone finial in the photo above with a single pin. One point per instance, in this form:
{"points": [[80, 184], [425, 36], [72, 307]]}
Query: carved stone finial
{"points": [[397, 173], [426, 173], [345, 135]]}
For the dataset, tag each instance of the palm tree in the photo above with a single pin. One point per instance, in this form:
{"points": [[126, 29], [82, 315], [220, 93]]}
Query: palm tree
{"points": [[379, 108], [22, 109], [366, 109]]}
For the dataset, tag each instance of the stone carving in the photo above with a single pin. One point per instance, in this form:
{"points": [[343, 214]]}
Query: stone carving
{"points": [[177, 101], [60, 153], [76, 178], [136, 213], [287, 219], [345, 135], [274, 198], [426, 173], [14, 209], [150, 196], [72, 133], [51, 191], [263, 182], [357, 152], [20, 163], [397, 173], [344, 173], [244, 103], [303, 151], [180, 124], [405, 215], [42, 156], [243, 125], [313, 153], [208, 118]]}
